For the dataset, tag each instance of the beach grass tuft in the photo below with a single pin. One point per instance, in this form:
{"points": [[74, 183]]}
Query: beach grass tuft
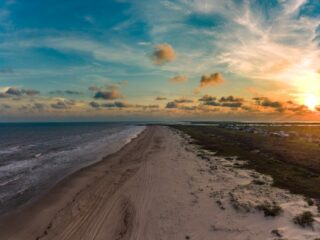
{"points": [[270, 210], [304, 219]]}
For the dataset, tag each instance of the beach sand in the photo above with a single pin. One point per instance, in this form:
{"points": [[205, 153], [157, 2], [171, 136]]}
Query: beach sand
{"points": [[158, 187]]}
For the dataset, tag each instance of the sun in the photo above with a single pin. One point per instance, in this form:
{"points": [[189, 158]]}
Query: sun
{"points": [[311, 101]]}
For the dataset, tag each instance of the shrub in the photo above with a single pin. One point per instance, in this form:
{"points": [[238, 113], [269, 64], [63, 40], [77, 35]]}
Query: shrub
{"points": [[268, 209], [309, 201], [318, 205], [304, 219]]}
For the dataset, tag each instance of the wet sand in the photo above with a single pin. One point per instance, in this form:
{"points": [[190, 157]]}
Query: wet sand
{"points": [[157, 187]]}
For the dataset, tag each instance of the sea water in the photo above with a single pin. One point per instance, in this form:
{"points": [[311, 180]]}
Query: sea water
{"points": [[35, 156]]}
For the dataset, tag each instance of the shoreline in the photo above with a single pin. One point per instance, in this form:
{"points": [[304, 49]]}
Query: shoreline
{"points": [[159, 186], [35, 204], [37, 192]]}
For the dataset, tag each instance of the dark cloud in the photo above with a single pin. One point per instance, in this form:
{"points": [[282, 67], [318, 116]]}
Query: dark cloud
{"points": [[60, 104], [110, 92], [118, 104], [30, 92], [177, 103], [160, 98], [183, 100], [145, 107], [231, 99], [4, 95], [39, 107], [15, 92], [154, 106], [211, 80], [94, 104], [178, 79], [163, 53], [266, 102], [212, 103], [172, 105], [187, 108], [231, 104], [65, 92], [207, 98], [299, 109], [282, 107], [108, 95]]}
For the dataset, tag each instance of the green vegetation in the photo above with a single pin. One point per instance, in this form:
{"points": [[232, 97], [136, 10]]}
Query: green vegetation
{"points": [[271, 210], [293, 162], [309, 201], [304, 219], [318, 206]]}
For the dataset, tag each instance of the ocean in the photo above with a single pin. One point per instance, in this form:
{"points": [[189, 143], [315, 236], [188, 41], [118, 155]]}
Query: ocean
{"points": [[35, 156]]}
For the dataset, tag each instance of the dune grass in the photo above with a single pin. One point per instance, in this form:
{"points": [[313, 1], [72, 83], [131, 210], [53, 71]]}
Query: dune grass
{"points": [[293, 163], [304, 219]]}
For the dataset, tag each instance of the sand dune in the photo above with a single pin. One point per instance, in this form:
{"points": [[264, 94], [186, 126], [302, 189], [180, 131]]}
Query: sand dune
{"points": [[157, 187]]}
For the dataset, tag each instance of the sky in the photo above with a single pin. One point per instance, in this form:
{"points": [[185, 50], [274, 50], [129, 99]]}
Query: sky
{"points": [[253, 60]]}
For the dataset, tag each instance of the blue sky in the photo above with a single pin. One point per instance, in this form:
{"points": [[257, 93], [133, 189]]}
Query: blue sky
{"points": [[130, 49]]}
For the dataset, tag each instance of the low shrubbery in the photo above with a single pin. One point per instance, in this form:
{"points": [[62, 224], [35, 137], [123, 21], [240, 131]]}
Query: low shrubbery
{"points": [[271, 210], [304, 219]]}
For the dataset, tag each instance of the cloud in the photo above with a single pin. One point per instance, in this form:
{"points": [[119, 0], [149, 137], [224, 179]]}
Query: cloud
{"points": [[121, 105], [183, 100], [207, 98], [59, 105], [110, 92], [231, 104], [15, 92], [300, 109], [266, 102], [39, 107], [178, 79], [116, 105], [160, 98], [172, 105], [177, 103], [211, 80], [212, 103], [30, 92], [230, 101], [94, 104], [67, 92], [108, 95], [163, 53], [4, 95], [62, 104], [151, 106]]}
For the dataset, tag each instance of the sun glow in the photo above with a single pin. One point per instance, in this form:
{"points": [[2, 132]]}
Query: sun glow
{"points": [[311, 101]]}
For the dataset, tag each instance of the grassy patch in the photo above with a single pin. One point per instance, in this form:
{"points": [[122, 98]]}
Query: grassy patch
{"points": [[293, 163], [271, 210], [304, 219]]}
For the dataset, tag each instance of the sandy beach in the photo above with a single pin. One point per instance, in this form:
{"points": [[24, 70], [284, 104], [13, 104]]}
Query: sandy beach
{"points": [[159, 187]]}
